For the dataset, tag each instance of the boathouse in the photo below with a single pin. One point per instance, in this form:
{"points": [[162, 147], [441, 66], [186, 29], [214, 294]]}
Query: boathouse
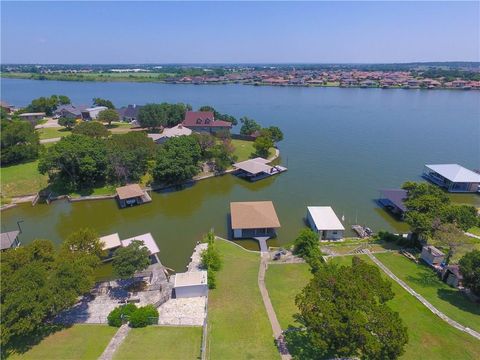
{"points": [[110, 243], [148, 242], [130, 195], [452, 177], [256, 169], [9, 240], [393, 201], [324, 221], [431, 255], [190, 284], [253, 219]]}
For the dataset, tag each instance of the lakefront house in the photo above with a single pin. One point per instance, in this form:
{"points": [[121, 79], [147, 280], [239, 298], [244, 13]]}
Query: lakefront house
{"points": [[204, 121]]}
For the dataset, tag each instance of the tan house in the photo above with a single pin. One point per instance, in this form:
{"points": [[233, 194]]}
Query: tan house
{"points": [[253, 218]]}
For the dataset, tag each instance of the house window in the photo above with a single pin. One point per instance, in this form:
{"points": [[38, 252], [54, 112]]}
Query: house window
{"points": [[207, 121], [334, 233], [199, 121]]}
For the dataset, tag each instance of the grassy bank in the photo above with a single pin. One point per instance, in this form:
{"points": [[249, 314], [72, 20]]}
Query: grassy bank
{"points": [[244, 149], [162, 343], [80, 342], [51, 133], [237, 321], [429, 336], [424, 281], [22, 179]]}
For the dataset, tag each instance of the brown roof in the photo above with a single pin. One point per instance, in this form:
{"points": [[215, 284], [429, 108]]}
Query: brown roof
{"points": [[129, 191], [253, 215], [204, 119]]}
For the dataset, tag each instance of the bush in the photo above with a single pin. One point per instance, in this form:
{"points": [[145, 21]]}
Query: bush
{"points": [[143, 316], [116, 315], [212, 280]]}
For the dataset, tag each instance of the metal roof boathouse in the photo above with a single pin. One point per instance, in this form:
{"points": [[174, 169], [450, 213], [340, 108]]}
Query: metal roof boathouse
{"points": [[452, 177]]}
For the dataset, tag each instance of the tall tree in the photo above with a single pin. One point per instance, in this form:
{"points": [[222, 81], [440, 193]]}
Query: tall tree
{"points": [[108, 116], [275, 133], [103, 102], [249, 126], [262, 145], [345, 314], [130, 259], [47, 105], [470, 269], [68, 122], [450, 237], [91, 128], [19, 142], [156, 115]]}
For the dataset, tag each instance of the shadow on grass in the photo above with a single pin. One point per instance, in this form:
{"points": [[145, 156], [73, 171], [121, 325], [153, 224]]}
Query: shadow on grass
{"points": [[300, 346], [459, 300], [23, 344], [60, 187], [425, 277]]}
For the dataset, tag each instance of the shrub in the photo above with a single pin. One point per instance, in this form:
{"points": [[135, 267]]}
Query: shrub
{"points": [[211, 279], [143, 316], [115, 316]]}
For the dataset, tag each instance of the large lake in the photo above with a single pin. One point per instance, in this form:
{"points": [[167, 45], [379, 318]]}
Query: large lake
{"points": [[341, 146]]}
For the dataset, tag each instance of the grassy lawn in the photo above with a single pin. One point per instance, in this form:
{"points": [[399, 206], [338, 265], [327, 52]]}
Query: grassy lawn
{"points": [[244, 149], [475, 230], [119, 127], [155, 342], [237, 321], [429, 336], [423, 280], [85, 342], [50, 133], [22, 179]]}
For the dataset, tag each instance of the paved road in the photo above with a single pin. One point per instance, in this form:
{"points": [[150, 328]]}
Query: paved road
{"points": [[277, 330], [433, 309], [115, 342]]}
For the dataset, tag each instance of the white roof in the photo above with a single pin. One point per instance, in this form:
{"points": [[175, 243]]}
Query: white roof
{"points": [[254, 166], [190, 278], [324, 218], [148, 241], [178, 130], [33, 114], [110, 241], [96, 108], [455, 173]]}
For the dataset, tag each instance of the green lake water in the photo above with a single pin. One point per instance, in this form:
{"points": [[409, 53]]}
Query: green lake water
{"points": [[341, 146]]}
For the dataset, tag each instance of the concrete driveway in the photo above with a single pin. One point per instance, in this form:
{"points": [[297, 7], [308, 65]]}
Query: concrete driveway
{"points": [[51, 123]]}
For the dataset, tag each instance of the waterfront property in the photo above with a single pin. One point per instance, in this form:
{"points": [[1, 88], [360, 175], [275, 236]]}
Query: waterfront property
{"points": [[324, 221], [70, 111], [132, 194], [204, 121], [110, 243], [148, 242], [453, 177], [190, 284], [253, 218], [393, 201], [168, 133], [32, 117], [9, 240], [92, 113], [256, 169], [431, 255], [129, 113]]}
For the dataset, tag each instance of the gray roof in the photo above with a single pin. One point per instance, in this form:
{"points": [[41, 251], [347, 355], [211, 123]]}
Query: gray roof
{"points": [[396, 197], [254, 166], [7, 239], [455, 173], [73, 109]]}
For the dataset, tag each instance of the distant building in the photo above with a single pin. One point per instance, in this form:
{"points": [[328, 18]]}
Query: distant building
{"points": [[253, 218], [452, 276], [190, 284], [6, 107], [92, 113], [9, 240], [70, 111], [203, 121], [168, 133], [32, 117], [431, 255], [129, 113], [324, 221], [452, 177]]}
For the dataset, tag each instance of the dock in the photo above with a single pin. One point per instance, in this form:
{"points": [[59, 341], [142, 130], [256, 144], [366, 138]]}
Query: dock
{"points": [[256, 169]]}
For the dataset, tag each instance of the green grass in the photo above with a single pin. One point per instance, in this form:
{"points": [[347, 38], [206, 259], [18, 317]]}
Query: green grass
{"points": [[51, 133], [155, 342], [80, 342], [429, 336], [22, 179], [424, 281], [474, 230], [244, 149], [119, 127], [237, 321], [102, 190]]}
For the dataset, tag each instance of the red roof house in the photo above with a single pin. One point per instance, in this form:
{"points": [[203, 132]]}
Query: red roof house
{"points": [[204, 121]]}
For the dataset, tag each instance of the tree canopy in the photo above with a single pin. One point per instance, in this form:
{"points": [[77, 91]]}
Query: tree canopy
{"points": [[164, 114], [67, 122], [262, 145], [103, 102], [47, 104], [345, 314], [130, 259], [19, 142], [470, 269], [91, 128], [108, 116], [249, 126]]}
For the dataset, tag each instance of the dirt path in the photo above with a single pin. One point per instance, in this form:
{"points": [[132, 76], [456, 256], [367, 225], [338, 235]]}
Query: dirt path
{"points": [[115, 343], [52, 140], [277, 330], [430, 307]]}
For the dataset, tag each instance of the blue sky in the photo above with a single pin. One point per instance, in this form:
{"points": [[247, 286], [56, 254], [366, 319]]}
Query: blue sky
{"points": [[234, 32]]}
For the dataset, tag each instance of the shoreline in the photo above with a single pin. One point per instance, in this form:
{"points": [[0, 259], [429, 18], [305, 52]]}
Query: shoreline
{"points": [[33, 198], [153, 81]]}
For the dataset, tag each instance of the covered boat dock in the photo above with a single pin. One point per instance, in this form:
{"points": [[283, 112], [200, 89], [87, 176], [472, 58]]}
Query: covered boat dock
{"points": [[393, 201], [132, 194], [256, 169]]}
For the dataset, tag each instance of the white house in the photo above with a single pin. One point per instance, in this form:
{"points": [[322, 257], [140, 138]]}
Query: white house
{"points": [[191, 284], [325, 223], [92, 113]]}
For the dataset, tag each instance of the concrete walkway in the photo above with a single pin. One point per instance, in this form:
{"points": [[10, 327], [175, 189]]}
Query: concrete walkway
{"points": [[115, 343], [277, 330], [52, 140], [433, 309], [472, 235]]}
